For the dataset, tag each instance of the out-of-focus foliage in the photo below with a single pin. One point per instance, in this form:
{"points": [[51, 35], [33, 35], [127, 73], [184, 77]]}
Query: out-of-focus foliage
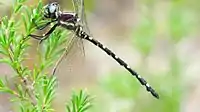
{"points": [[181, 22], [80, 102]]}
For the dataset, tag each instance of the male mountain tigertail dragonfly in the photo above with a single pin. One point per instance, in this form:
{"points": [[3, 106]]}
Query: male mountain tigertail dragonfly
{"points": [[75, 22]]}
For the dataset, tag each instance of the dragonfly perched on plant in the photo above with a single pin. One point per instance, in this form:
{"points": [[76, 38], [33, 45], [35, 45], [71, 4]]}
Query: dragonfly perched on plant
{"points": [[76, 23]]}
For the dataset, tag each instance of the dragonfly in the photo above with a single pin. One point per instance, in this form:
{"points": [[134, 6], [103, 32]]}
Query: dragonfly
{"points": [[77, 24]]}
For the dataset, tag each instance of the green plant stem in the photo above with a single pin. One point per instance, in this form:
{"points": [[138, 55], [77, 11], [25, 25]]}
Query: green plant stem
{"points": [[19, 70]]}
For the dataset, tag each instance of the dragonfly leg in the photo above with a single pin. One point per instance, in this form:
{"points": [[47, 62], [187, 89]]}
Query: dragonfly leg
{"points": [[41, 27], [44, 36]]}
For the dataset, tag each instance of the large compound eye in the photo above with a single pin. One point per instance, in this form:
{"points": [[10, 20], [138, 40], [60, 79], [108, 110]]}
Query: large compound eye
{"points": [[53, 7], [51, 10]]}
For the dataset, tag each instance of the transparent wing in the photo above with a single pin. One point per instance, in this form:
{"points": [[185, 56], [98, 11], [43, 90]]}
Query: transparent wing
{"points": [[84, 18], [66, 50], [75, 47], [71, 51], [76, 7], [79, 8]]}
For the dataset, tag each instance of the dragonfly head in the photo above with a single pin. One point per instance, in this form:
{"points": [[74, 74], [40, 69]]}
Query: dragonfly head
{"points": [[52, 10]]}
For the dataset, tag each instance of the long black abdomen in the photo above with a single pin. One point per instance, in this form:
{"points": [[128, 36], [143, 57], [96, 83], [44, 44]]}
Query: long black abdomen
{"points": [[83, 35]]}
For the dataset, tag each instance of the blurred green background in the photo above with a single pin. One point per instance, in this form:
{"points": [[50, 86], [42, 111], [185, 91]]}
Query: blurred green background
{"points": [[158, 38]]}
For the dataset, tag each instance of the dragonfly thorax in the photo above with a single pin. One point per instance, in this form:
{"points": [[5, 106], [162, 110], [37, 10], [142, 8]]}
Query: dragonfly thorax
{"points": [[69, 20]]}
